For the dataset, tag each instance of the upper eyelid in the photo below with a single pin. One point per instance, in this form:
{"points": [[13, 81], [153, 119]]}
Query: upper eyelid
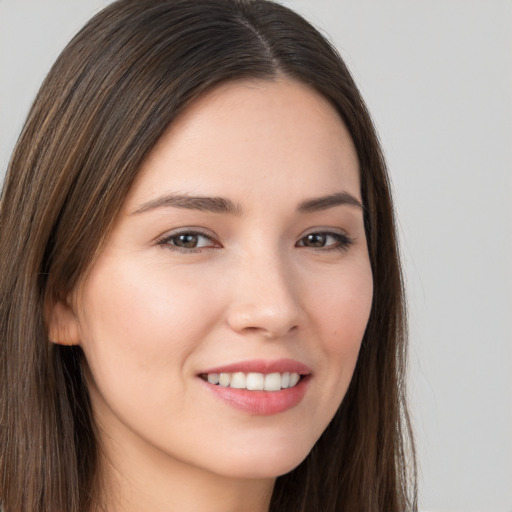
{"points": [[325, 231]]}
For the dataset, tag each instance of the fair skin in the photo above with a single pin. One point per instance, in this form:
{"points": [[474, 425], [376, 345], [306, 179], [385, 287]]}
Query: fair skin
{"points": [[266, 276]]}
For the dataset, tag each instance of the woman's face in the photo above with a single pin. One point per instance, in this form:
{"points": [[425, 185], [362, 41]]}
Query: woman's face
{"points": [[240, 253]]}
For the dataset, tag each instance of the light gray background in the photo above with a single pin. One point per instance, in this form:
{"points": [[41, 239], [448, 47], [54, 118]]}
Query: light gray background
{"points": [[437, 76]]}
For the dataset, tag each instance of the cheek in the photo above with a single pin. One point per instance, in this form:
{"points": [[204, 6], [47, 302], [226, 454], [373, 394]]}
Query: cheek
{"points": [[344, 306], [137, 321], [341, 313]]}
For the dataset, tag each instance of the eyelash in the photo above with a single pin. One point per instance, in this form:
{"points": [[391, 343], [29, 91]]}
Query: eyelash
{"points": [[166, 241], [342, 241]]}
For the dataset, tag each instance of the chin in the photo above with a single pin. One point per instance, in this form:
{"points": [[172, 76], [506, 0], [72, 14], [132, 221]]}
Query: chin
{"points": [[263, 464]]}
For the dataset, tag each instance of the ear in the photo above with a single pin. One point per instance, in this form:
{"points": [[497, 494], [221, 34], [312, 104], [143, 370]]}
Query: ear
{"points": [[62, 324]]}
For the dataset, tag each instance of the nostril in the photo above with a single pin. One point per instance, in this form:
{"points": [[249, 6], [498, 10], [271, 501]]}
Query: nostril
{"points": [[269, 333]]}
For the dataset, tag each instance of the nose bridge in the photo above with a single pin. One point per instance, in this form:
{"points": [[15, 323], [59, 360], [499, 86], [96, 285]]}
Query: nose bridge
{"points": [[265, 297]]}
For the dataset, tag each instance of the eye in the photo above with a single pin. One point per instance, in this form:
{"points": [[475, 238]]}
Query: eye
{"points": [[325, 240], [188, 241]]}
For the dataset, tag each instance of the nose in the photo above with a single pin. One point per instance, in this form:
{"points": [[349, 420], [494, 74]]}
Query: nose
{"points": [[264, 298]]}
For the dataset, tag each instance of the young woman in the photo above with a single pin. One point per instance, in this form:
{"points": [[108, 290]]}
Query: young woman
{"points": [[201, 297]]}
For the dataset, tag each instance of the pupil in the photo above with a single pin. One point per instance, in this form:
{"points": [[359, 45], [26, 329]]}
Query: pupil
{"points": [[187, 241], [316, 240]]}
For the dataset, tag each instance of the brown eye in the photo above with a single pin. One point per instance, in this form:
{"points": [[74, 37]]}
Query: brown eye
{"points": [[315, 240], [188, 240], [325, 240]]}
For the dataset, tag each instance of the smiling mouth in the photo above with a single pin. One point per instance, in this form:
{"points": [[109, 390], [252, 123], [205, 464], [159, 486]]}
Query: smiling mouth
{"points": [[253, 381]]}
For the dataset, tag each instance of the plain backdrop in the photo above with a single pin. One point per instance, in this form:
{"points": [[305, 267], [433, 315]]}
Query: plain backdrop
{"points": [[437, 76]]}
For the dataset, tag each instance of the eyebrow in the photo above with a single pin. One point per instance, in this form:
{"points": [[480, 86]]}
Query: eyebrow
{"points": [[204, 204], [226, 206], [330, 201]]}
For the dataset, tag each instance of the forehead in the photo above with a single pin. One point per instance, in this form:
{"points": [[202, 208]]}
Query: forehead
{"points": [[244, 136]]}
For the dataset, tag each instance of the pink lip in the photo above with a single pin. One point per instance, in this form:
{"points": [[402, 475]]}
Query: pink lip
{"points": [[263, 366], [261, 403]]}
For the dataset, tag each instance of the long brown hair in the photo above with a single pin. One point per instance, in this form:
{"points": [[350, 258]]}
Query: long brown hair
{"points": [[110, 96]]}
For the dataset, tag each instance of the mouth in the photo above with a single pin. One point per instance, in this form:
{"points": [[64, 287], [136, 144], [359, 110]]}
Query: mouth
{"points": [[259, 387], [254, 381]]}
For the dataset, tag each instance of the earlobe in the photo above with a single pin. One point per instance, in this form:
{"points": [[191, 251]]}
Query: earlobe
{"points": [[62, 324]]}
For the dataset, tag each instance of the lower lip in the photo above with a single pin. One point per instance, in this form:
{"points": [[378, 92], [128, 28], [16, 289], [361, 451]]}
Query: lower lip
{"points": [[262, 403]]}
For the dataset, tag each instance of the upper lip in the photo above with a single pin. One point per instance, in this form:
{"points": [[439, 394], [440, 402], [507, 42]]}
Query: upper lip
{"points": [[262, 366]]}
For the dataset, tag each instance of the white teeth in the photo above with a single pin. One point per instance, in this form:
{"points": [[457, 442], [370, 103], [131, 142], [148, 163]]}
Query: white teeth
{"points": [[254, 381], [294, 378], [238, 380], [213, 378], [224, 379], [272, 382]]}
